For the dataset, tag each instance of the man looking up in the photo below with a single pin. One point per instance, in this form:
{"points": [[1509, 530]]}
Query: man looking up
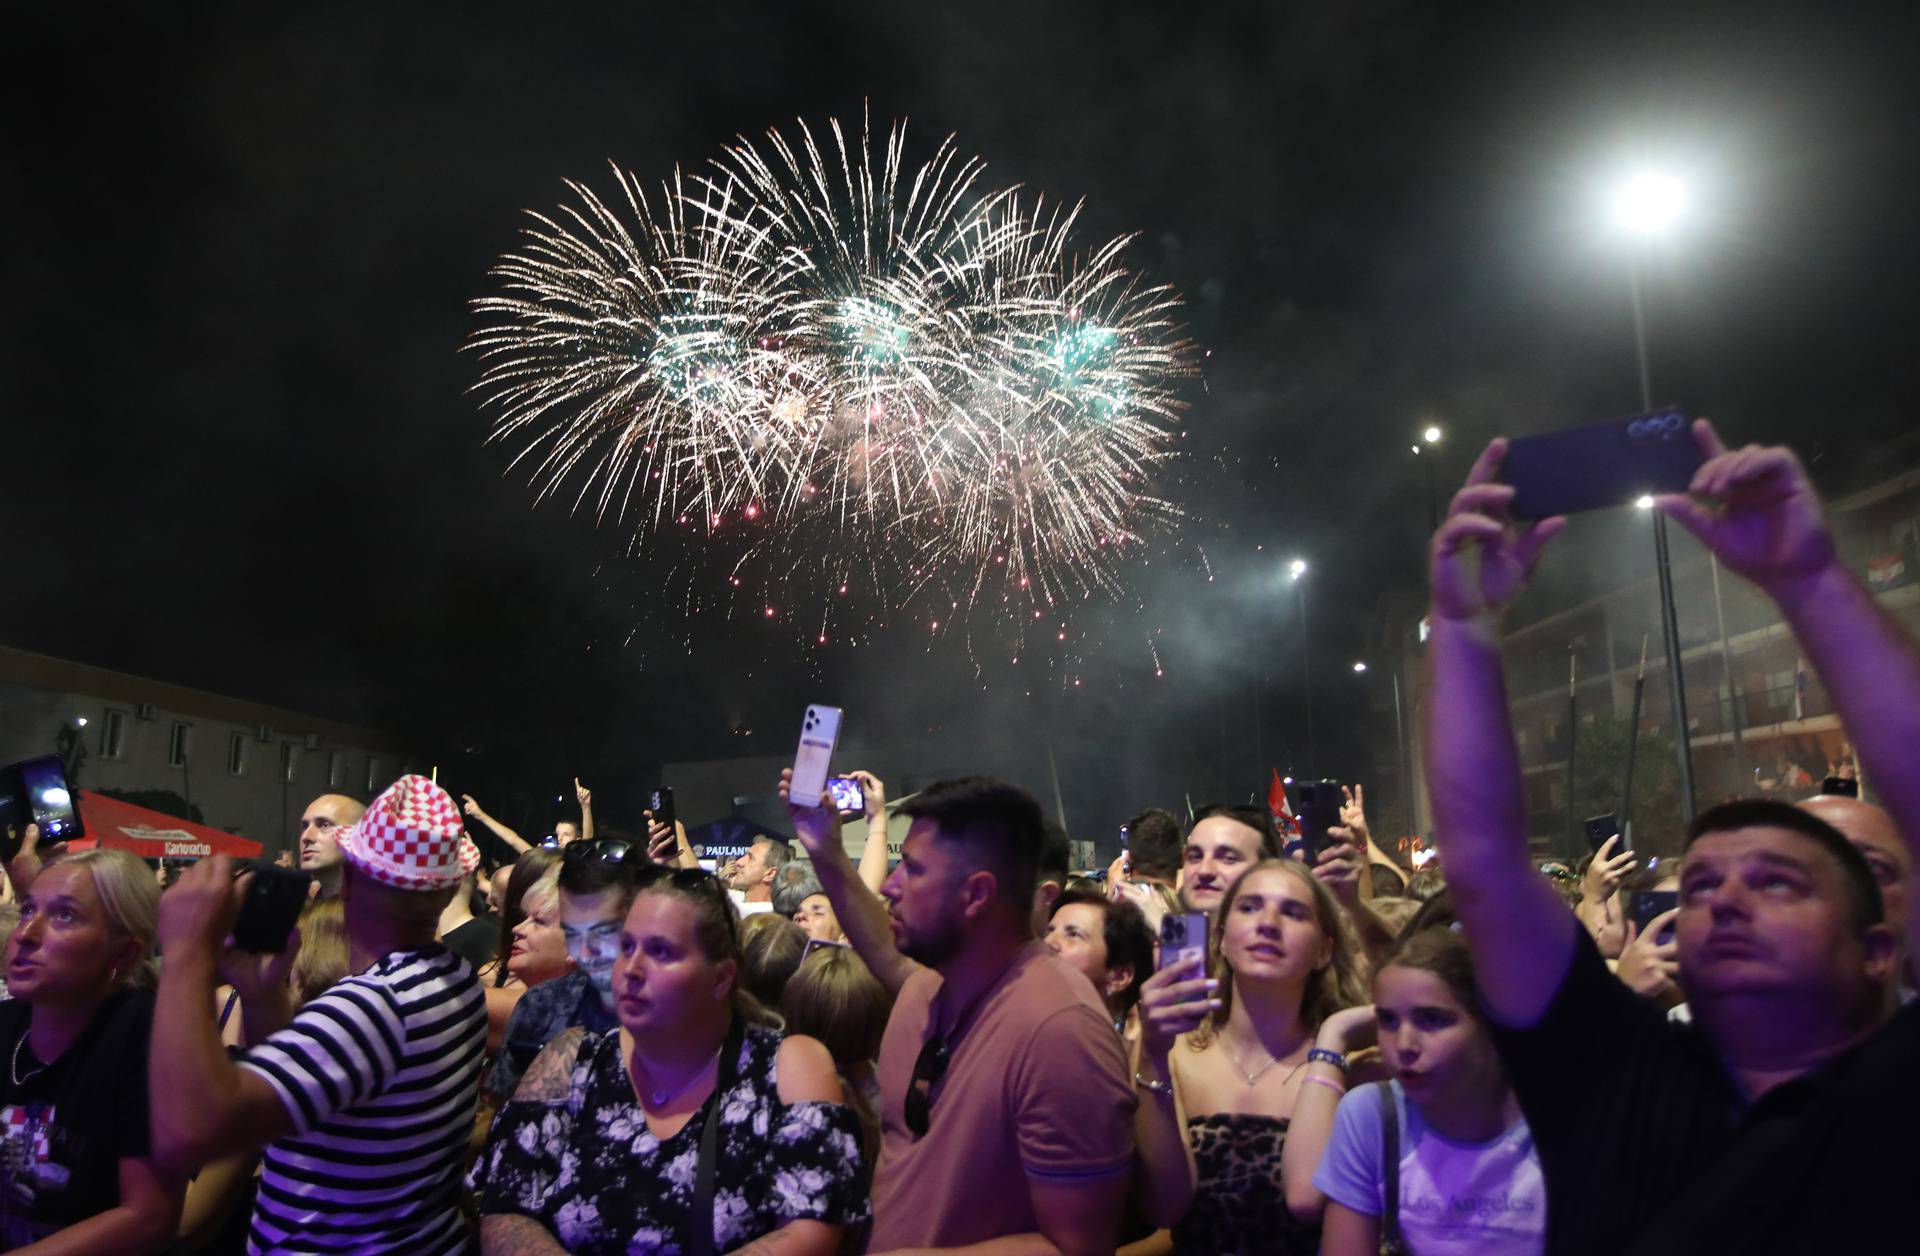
{"points": [[999, 1056], [751, 876], [364, 1099], [1780, 1121], [320, 826]]}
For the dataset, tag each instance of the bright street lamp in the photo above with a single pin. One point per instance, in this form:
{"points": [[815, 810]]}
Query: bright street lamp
{"points": [[1644, 501], [1649, 202], [1297, 568], [1647, 205], [1429, 438], [1360, 667]]}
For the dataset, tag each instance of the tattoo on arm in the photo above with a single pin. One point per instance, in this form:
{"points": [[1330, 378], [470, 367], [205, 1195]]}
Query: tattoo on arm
{"points": [[549, 1077]]}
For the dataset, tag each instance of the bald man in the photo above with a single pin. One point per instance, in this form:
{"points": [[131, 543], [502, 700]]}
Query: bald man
{"points": [[1873, 834], [320, 841]]}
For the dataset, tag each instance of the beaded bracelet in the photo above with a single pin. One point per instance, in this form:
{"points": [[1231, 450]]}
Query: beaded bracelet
{"points": [[1158, 1088], [1324, 1056]]}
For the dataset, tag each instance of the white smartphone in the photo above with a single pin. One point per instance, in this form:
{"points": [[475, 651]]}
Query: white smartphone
{"points": [[819, 733]]}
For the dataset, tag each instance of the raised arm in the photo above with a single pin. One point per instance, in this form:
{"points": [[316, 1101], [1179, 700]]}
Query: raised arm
{"points": [[519, 844], [1760, 516], [585, 796], [861, 912], [203, 1106], [1520, 934], [873, 856]]}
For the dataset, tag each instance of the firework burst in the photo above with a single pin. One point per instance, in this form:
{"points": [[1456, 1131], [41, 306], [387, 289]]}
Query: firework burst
{"points": [[907, 381]]}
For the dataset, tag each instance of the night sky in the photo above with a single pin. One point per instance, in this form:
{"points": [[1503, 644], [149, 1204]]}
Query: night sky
{"points": [[241, 244]]}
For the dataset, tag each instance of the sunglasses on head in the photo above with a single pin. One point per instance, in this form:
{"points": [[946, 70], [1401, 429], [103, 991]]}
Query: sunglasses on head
{"points": [[602, 850]]}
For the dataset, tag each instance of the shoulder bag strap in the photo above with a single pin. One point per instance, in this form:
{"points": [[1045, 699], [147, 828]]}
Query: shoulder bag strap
{"points": [[1391, 1242], [700, 1242]]}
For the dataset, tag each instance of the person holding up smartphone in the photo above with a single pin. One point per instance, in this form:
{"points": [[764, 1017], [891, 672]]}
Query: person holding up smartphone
{"points": [[1224, 1046], [1783, 1117], [388, 1059]]}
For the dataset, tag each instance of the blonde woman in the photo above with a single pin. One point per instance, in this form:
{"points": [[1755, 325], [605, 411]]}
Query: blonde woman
{"points": [[74, 1156], [1223, 1052]]}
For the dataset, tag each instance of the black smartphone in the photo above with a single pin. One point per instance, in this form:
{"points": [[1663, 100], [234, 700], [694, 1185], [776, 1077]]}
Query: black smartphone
{"points": [[1599, 829], [1650, 903], [271, 908], [661, 805], [34, 791], [1843, 786], [848, 797], [1316, 805], [1182, 934], [1601, 465]]}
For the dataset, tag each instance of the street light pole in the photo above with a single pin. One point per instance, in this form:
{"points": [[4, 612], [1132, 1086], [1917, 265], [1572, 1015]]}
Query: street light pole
{"points": [[1663, 569], [1298, 569]]}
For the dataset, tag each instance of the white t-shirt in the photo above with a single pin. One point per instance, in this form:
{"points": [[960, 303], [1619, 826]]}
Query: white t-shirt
{"points": [[745, 908], [1469, 1199]]}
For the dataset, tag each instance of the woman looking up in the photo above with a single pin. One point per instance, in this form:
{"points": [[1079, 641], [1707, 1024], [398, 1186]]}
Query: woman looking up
{"points": [[75, 1172], [1223, 1056]]}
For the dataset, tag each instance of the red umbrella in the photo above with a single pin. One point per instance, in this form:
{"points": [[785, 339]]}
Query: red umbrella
{"points": [[152, 834]]}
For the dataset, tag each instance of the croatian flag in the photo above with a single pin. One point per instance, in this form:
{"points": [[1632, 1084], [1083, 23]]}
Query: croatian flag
{"points": [[1281, 810]]}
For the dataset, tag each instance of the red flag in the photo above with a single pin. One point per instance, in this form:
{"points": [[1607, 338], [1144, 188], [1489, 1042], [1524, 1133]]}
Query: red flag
{"points": [[1281, 810]]}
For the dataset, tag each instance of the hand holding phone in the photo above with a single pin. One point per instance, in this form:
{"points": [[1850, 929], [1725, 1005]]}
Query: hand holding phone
{"points": [[270, 908], [1601, 464], [819, 734], [1316, 805], [660, 806], [1183, 935], [1648, 904], [848, 798]]}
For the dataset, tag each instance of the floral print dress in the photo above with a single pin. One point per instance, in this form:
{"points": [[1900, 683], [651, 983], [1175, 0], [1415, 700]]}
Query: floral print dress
{"points": [[588, 1168]]}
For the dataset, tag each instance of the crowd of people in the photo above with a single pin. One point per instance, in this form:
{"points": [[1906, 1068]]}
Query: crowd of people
{"points": [[1216, 1047]]}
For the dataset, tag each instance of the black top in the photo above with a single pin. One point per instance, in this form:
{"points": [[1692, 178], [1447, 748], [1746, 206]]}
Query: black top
{"points": [[1648, 1146], [1238, 1206], [66, 1126], [476, 941]]}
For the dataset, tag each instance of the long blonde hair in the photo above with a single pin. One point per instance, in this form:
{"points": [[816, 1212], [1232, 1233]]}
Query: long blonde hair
{"points": [[1337, 984], [322, 958], [129, 900]]}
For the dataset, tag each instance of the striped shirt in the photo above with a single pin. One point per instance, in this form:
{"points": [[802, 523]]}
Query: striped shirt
{"points": [[379, 1076]]}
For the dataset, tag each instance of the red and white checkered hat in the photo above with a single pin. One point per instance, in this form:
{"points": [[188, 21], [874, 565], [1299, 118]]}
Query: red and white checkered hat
{"points": [[411, 838]]}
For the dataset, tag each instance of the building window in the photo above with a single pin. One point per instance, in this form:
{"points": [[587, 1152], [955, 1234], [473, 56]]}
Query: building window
{"points": [[237, 754], [336, 768], [287, 760], [373, 774], [177, 746], [113, 735]]}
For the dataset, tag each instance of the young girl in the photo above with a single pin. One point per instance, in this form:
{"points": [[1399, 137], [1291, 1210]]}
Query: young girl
{"points": [[1468, 1177], [1215, 1108]]}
